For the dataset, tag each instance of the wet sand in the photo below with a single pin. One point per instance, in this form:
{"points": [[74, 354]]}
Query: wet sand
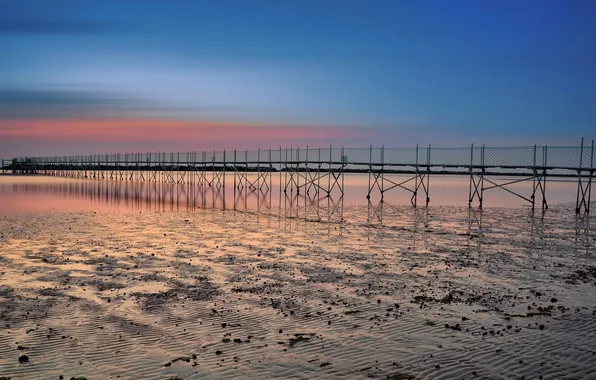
{"points": [[443, 294]]}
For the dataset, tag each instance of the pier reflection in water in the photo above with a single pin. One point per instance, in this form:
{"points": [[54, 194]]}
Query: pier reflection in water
{"points": [[145, 196], [43, 194]]}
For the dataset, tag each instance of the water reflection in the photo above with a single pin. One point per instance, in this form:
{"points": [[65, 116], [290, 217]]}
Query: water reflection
{"points": [[375, 212], [537, 223], [474, 220], [156, 196], [383, 213], [583, 233], [419, 226]]}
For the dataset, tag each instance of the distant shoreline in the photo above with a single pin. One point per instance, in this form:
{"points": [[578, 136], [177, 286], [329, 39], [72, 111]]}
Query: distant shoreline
{"points": [[20, 175]]}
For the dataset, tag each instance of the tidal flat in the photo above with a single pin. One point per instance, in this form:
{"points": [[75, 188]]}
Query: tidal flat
{"points": [[437, 293]]}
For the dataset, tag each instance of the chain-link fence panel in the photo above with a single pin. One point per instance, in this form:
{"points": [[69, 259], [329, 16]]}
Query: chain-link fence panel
{"points": [[326, 155], [563, 157], [588, 158], [252, 156], [208, 157], [400, 156], [288, 155], [321, 155], [297, 155], [357, 155], [276, 155], [449, 156], [264, 156], [337, 155], [510, 157], [309, 155], [222, 156], [476, 158], [183, 159], [376, 156], [239, 156]]}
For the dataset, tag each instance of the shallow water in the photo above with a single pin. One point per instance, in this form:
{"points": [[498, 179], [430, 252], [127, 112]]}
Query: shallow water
{"points": [[42, 193], [291, 290]]}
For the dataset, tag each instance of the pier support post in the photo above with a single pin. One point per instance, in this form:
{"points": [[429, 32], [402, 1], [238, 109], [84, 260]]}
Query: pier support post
{"points": [[590, 178], [477, 179], [427, 188], [258, 170], [584, 187], [544, 168], [382, 172], [370, 172], [224, 173], [473, 188], [414, 198], [297, 170], [539, 179]]}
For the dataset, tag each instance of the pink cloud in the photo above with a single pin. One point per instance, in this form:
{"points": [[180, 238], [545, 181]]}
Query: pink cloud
{"points": [[152, 129], [111, 134]]}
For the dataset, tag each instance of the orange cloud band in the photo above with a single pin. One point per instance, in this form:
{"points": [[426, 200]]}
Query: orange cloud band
{"points": [[109, 129]]}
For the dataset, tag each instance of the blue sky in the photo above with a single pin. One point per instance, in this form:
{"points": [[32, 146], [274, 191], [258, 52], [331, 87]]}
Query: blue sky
{"points": [[421, 69]]}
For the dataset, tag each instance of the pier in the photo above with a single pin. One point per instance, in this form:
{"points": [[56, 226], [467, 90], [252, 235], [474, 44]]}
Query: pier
{"points": [[319, 172]]}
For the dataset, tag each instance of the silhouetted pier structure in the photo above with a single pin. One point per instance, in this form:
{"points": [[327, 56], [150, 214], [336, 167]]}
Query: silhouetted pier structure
{"points": [[320, 171]]}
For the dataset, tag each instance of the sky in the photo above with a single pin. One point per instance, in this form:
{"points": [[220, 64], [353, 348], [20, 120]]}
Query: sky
{"points": [[101, 76]]}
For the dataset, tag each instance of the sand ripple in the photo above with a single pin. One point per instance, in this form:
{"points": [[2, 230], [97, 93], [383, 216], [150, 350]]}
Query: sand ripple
{"points": [[439, 295]]}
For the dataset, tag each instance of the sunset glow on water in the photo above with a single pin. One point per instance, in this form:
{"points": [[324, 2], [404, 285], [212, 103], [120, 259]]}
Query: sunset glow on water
{"points": [[39, 193]]}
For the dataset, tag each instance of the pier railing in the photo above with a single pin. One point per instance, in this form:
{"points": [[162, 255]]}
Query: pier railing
{"points": [[556, 157]]}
